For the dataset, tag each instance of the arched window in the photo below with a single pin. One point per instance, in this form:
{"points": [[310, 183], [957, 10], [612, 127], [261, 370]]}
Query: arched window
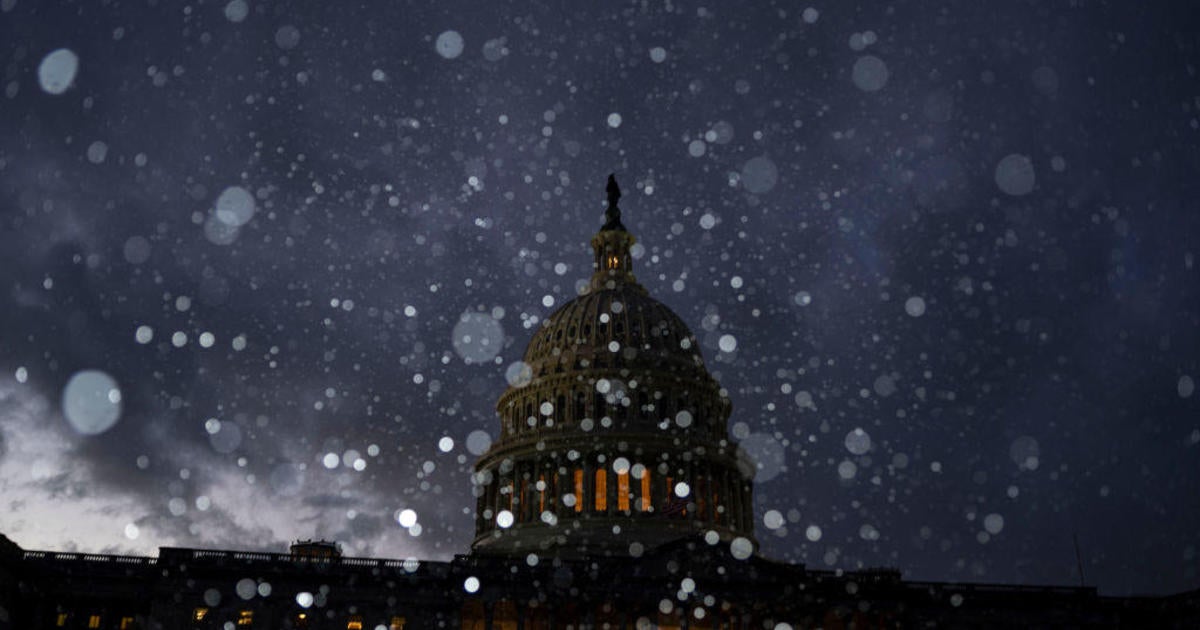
{"points": [[578, 490], [504, 615], [623, 491], [472, 615], [601, 499]]}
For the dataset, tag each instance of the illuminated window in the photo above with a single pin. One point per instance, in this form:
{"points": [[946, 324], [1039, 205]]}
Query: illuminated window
{"points": [[397, 623], [614, 262], [644, 502], [504, 616], [245, 618], [199, 614], [623, 491], [94, 621], [601, 490], [541, 488], [354, 623], [62, 620], [126, 623], [578, 490]]}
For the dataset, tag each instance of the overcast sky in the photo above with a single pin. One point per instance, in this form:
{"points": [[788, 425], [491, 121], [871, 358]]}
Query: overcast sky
{"points": [[954, 248]]}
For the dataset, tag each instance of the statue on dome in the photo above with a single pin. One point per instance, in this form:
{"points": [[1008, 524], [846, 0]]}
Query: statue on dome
{"points": [[612, 216]]}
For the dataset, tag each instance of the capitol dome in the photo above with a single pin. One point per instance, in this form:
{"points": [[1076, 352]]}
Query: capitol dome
{"points": [[620, 328], [614, 438]]}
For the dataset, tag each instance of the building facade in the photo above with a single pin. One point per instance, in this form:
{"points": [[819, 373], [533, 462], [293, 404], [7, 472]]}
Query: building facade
{"points": [[614, 498]]}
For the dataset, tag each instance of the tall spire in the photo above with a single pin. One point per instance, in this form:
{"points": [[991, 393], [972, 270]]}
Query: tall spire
{"points": [[614, 263]]}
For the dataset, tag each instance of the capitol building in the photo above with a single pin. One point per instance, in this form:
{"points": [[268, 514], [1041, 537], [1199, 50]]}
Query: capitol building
{"points": [[614, 498], [622, 419]]}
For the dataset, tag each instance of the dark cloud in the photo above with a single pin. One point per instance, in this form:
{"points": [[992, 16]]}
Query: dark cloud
{"points": [[387, 204]]}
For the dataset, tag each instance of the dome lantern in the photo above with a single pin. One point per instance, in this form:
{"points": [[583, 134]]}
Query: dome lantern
{"points": [[613, 262]]}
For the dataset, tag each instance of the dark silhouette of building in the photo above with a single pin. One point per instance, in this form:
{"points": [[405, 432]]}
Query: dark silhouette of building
{"points": [[614, 498], [618, 439]]}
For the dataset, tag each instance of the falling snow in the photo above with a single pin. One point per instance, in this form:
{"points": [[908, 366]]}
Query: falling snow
{"points": [[270, 271]]}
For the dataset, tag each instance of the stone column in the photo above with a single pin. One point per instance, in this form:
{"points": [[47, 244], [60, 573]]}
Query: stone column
{"points": [[494, 494], [726, 497], [480, 503], [530, 494], [693, 491], [747, 508], [723, 493], [589, 486], [710, 485], [662, 491], [552, 495], [735, 496], [535, 512], [515, 497], [610, 485]]}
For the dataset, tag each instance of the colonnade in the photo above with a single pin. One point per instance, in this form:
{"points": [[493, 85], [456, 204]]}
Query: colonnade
{"points": [[540, 489], [569, 405]]}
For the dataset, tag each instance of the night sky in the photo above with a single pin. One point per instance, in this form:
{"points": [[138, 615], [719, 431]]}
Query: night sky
{"points": [[944, 259]]}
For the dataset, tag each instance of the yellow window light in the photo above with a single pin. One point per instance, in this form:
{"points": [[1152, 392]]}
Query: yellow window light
{"points": [[623, 491], [601, 490]]}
